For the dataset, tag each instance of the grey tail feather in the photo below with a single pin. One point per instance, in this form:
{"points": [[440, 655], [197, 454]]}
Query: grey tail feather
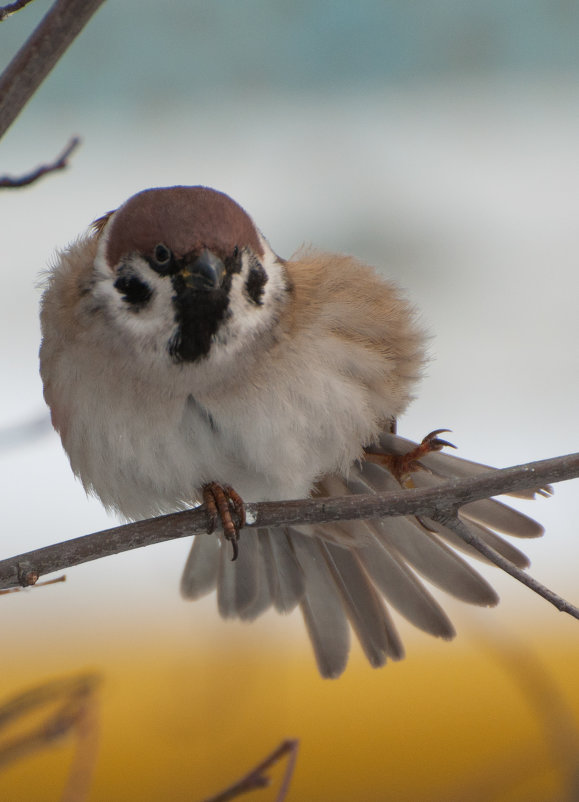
{"points": [[322, 608], [342, 574]]}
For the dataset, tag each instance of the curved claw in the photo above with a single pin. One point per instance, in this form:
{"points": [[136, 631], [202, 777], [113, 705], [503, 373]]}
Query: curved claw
{"points": [[403, 465], [438, 443], [220, 502], [434, 442], [434, 433]]}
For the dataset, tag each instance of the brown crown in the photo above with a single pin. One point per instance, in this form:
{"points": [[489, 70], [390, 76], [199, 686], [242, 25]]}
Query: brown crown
{"points": [[184, 219]]}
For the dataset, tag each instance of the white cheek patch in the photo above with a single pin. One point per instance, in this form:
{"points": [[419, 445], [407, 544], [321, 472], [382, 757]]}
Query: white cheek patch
{"points": [[154, 320], [246, 318]]}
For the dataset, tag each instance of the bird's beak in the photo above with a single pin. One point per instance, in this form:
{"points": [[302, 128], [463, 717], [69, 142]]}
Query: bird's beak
{"points": [[205, 273]]}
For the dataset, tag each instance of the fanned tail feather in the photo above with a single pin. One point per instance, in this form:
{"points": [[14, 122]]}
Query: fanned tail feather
{"points": [[342, 575]]}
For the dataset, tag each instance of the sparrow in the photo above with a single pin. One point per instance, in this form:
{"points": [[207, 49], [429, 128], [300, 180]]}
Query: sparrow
{"points": [[184, 361]]}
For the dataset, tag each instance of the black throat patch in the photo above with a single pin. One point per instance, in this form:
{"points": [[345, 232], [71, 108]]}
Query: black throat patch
{"points": [[198, 315]]}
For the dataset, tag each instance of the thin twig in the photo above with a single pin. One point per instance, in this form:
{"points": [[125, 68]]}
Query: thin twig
{"points": [[454, 523], [61, 163], [12, 8], [258, 778], [25, 569], [71, 694], [39, 54], [45, 584]]}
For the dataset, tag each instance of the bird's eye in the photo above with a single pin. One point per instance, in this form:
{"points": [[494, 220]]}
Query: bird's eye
{"points": [[162, 255], [235, 252]]}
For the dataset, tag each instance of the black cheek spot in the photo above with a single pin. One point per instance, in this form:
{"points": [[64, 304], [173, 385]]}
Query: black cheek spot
{"points": [[135, 292], [256, 281]]}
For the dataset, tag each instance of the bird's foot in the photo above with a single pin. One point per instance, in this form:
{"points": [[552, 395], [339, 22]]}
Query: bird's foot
{"points": [[402, 466], [223, 502]]}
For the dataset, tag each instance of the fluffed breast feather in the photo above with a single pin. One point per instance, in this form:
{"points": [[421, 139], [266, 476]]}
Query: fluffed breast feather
{"points": [[374, 331]]}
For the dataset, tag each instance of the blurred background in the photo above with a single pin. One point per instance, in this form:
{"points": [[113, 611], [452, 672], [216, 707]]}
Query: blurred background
{"points": [[439, 141]]}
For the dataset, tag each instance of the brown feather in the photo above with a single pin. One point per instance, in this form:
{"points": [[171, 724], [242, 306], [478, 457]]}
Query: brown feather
{"points": [[182, 218], [374, 327], [99, 224]]}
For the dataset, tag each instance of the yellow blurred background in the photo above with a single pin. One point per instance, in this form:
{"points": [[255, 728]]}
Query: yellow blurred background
{"points": [[185, 710]]}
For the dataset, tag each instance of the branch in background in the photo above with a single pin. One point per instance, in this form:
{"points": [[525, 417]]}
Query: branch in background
{"points": [[60, 163], [12, 8], [440, 503], [553, 712], [509, 774], [39, 54], [76, 713], [258, 778]]}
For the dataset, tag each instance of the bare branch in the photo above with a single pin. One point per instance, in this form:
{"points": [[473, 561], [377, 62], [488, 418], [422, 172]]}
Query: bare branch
{"points": [[436, 502], [60, 163], [39, 54], [453, 522], [12, 8], [257, 777]]}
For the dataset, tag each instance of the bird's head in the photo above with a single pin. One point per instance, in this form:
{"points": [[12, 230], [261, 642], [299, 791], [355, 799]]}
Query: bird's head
{"points": [[188, 267]]}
